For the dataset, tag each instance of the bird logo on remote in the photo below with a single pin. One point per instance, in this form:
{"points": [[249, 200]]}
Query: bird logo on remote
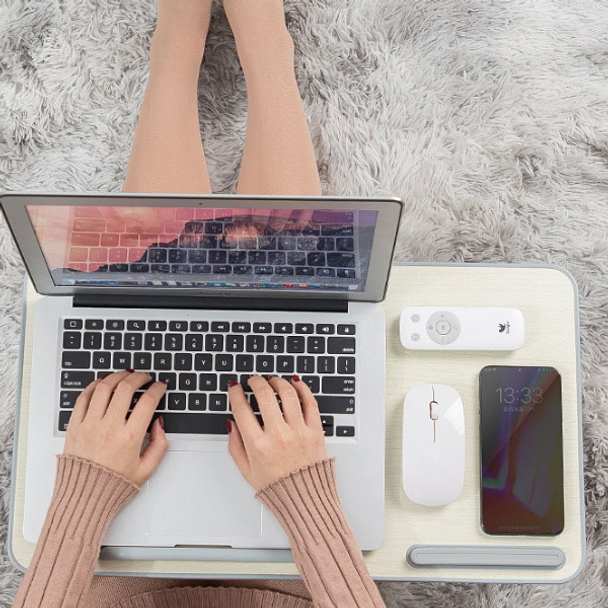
{"points": [[504, 327]]}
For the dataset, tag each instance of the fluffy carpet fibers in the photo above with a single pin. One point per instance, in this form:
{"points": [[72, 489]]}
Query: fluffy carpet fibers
{"points": [[489, 118]]}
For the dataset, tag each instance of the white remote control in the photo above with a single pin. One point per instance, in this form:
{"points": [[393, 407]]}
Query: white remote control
{"points": [[433, 328]]}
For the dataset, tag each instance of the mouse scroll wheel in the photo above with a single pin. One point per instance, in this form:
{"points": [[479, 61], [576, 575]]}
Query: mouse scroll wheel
{"points": [[434, 410]]}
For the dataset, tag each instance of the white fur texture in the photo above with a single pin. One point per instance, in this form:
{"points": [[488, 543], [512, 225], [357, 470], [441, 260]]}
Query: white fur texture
{"points": [[489, 118]]}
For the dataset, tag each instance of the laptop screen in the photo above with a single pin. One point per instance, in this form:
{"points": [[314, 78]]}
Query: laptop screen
{"points": [[205, 248]]}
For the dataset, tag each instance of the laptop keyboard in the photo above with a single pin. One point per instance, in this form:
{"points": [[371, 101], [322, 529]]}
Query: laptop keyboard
{"points": [[198, 359]]}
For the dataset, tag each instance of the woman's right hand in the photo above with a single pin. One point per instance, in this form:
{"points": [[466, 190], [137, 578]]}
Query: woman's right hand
{"points": [[288, 441]]}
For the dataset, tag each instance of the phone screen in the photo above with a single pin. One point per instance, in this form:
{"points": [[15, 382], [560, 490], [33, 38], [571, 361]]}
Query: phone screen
{"points": [[522, 485]]}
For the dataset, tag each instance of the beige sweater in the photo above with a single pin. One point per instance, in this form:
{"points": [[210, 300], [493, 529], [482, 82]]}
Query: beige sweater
{"points": [[305, 502]]}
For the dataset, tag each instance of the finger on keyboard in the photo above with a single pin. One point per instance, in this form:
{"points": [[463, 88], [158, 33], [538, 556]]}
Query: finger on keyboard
{"points": [[142, 413]]}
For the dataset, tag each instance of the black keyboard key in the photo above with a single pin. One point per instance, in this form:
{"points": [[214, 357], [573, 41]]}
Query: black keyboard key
{"points": [[152, 375], [207, 382], [340, 260], [64, 418], [176, 401], [102, 360], [283, 328], [225, 380], [346, 330], [72, 324], [187, 382], [235, 344], [194, 342], [165, 268], [224, 363], [197, 257], [92, 340], [326, 272], [285, 365], [244, 363], [197, 402], [163, 361], [157, 326], [122, 361], [142, 361], [257, 257], [217, 257], [277, 258], [182, 361], [72, 339], [275, 344], [178, 256], [136, 325], [242, 269], [218, 403], [209, 242], [241, 327], [263, 270], [223, 269], [203, 363], [214, 228], [93, 324], [331, 404], [170, 379], [307, 243], [327, 420], [196, 424], [315, 345], [237, 257], [345, 431], [296, 258], [115, 325], [346, 365], [136, 268], [295, 344], [306, 365], [133, 341], [153, 341], [220, 326], [283, 271], [287, 243], [174, 342], [158, 256], [214, 342], [328, 431], [326, 329], [305, 328], [326, 365], [262, 328], [326, 244], [199, 326], [341, 346], [346, 273], [314, 384], [264, 364], [255, 344], [305, 271], [339, 385], [72, 379], [112, 341], [316, 259], [345, 244], [178, 326], [67, 399]]}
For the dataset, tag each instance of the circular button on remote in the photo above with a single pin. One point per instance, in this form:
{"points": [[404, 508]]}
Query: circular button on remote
{"points": [[415, 318], [443, 327], [415, 337]]}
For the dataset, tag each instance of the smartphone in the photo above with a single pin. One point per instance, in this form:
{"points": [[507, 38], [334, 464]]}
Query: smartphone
{"points": [[522, 471]]}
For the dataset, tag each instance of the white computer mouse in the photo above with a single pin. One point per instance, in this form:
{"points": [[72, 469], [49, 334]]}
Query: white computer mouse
{"points": [[433, 445]]}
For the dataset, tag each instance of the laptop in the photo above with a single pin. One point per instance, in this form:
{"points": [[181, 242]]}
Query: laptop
{"points": [[198, 291]]}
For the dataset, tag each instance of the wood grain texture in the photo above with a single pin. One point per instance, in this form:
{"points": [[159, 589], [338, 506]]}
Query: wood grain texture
{"points": [[547, 297]]}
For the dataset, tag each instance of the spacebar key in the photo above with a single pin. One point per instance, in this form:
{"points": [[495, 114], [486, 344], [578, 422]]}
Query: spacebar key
{"points": [[197, 424]]}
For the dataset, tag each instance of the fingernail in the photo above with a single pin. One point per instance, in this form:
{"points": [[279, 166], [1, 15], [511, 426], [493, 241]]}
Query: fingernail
{"points": [[161, 422], [295, 378], [232, 383], [130, 371], [163, 381], [269, 377], [104, 377], [229, 425]]}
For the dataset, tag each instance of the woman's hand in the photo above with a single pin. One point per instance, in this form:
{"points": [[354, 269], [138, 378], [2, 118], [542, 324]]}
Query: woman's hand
{"points": [[289, 440], [99, 431]]}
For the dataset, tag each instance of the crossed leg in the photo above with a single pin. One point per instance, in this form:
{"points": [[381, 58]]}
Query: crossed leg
{"points": [[167, 154]]}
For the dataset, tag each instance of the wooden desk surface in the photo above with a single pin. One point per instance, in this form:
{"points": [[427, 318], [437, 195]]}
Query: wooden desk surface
{"points": [[548, 299]]}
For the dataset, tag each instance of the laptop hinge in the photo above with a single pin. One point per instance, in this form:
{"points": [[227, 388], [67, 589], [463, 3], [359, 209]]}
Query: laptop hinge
{"points": [[197, 303]]}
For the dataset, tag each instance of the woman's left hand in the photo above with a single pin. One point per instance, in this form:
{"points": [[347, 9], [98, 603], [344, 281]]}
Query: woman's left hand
{"points": [[99, 431]]}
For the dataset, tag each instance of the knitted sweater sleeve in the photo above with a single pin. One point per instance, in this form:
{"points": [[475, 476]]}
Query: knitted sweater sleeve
{"points": [[85, 500], [307, 505]]}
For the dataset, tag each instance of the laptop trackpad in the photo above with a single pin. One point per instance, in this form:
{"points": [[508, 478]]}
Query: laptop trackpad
{"points": [[201, 497]]}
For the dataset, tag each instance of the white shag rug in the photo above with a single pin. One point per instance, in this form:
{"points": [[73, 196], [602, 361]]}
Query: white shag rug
{"points": [[488, 117]]}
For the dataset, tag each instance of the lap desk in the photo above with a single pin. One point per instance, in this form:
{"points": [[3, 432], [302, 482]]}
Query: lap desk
{"points": [[421, 543]]}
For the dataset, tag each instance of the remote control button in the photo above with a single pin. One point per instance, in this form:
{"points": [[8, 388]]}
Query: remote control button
{"points": [[415, 337], [415, 318], [443, 327]]}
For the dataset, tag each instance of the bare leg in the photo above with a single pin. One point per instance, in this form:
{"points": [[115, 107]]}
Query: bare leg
{"points": [[167, 154], [279, 157]]}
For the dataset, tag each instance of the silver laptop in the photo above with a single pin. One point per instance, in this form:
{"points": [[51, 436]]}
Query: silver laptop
{"points": [[200, 290]]}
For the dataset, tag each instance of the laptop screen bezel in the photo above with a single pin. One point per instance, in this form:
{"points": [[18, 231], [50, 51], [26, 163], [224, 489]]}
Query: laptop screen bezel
{"points": [[385, 235]]}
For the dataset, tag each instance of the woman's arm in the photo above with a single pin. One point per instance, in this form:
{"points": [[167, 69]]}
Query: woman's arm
{"points": [[286, 461], [98, 474]]}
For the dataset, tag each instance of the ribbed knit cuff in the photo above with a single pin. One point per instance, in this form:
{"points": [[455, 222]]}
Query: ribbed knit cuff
{"points": [[87, 497], [306, 503]]}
